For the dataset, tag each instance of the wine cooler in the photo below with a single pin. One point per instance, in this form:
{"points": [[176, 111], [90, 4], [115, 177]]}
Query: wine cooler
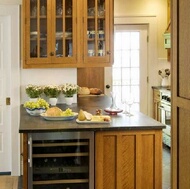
{"points": [[61, 160]]}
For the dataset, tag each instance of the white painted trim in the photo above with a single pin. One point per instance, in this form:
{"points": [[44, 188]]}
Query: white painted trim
{"points": [[13, 11], [10, 2], [151, 21]]}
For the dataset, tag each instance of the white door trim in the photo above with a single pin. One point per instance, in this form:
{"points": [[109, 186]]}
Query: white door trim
{"points": [[13, 12]]}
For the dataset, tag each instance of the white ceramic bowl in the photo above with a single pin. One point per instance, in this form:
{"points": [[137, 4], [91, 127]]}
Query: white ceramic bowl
{"points": [[36, 111]]}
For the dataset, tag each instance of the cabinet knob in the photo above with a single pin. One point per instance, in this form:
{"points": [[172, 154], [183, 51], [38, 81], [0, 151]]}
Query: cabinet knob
{"points": [[51, 53], [107, 86], [108, 52]]}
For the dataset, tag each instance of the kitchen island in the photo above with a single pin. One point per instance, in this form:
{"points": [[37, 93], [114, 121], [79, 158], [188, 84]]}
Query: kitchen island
{"points": [[127, 152]]}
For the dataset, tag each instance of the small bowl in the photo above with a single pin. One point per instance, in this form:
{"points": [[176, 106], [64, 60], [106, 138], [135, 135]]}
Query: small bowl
{"points": [[35, 111]]}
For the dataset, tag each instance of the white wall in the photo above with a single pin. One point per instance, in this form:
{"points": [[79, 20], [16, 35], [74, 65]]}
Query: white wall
{"points": [[54, 76], [156, 8], [10, 2]]}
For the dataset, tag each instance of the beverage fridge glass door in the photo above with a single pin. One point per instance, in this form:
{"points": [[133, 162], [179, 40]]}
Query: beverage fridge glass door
{"points": [[61, 160]]}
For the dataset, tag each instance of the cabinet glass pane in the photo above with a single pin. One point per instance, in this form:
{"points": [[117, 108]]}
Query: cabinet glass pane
{"points": [[96, 27], [38, 28], [64, 28]]}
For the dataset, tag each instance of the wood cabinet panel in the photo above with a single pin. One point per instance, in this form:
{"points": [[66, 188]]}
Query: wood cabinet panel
{"points": [[156, 103], [137, 162], [25, 161], [184, 150], [91, 77], [180, 94], [126, 159]]}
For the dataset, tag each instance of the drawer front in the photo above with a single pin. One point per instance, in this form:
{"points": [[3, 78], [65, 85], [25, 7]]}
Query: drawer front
{"points": [[157, 95]]}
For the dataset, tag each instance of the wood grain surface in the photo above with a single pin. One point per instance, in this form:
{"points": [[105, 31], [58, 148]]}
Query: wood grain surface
{"points": [[8, 182]]}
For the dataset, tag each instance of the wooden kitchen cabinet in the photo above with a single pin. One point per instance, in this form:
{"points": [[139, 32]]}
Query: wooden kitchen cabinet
{"points": [[156, 102], [128, 159], [67, 33]]}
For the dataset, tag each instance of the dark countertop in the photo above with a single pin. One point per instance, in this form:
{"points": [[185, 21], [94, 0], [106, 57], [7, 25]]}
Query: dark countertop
{"points": [[120, 121], [162, 88]]}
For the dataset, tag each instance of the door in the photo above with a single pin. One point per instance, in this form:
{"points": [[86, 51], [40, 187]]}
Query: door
{"points": [[180, 94], [5, 126], [9, 87], [130, 65]]}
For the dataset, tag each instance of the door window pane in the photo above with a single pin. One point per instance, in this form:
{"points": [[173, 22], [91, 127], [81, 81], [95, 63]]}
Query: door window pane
{"points": [[126, 68]]}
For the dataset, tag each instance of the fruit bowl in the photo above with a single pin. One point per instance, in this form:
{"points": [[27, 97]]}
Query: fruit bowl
{"points": [[35, 111], [36, 108]]}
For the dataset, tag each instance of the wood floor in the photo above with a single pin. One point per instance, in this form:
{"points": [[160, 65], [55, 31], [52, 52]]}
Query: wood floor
{"points": [[8, 182]]}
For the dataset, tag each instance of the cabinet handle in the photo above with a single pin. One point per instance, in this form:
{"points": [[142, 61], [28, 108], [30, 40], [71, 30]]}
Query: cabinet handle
{"points": [[51, 53], [30, 151], [108, 52]]}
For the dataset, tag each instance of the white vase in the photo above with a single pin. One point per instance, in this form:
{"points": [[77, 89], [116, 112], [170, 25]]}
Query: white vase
{"points": [[165, 82], [68, 100], [33, 99], [53, 101]]}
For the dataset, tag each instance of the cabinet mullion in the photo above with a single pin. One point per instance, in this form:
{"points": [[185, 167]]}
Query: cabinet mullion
{"points": [[38, 29], [64, 22]]}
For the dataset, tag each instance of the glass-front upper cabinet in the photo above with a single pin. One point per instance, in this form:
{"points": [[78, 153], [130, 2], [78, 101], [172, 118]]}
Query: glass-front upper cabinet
{"points": [[49, 27], [98, 25], [67, 33]]}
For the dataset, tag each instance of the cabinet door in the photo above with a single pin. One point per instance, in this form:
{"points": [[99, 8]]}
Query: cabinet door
{"points": [[37, 32], [128, 160], [64, 31], [98, 28], [50, 33]]}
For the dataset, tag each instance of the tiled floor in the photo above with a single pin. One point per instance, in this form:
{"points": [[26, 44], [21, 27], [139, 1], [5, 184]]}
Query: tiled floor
{"points": [[166, 177], [166, 170]]}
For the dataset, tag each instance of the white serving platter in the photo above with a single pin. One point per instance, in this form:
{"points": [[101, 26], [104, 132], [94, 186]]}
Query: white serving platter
{"points": [[59, 118]]}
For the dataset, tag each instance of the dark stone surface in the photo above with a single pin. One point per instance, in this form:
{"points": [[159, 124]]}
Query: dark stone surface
{"points": [[120, 121]]}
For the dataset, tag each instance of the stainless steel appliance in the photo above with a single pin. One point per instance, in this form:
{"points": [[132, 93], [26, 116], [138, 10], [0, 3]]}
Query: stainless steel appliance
{"points": [[165, 115], [61, 160]]}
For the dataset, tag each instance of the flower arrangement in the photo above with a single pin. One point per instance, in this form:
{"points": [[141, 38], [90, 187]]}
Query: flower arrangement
{"points": [[69, 89], [34, 91], [52, 91], [164, 72]]}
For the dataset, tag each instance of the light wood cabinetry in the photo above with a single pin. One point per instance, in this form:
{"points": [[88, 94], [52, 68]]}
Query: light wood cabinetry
{"points": [[67, 33], [156, 102], [131, 159]]}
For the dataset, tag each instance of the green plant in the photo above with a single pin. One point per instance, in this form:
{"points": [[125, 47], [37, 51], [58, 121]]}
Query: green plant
{"points": [[33, 91], [52, 91], [69, 89]]}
